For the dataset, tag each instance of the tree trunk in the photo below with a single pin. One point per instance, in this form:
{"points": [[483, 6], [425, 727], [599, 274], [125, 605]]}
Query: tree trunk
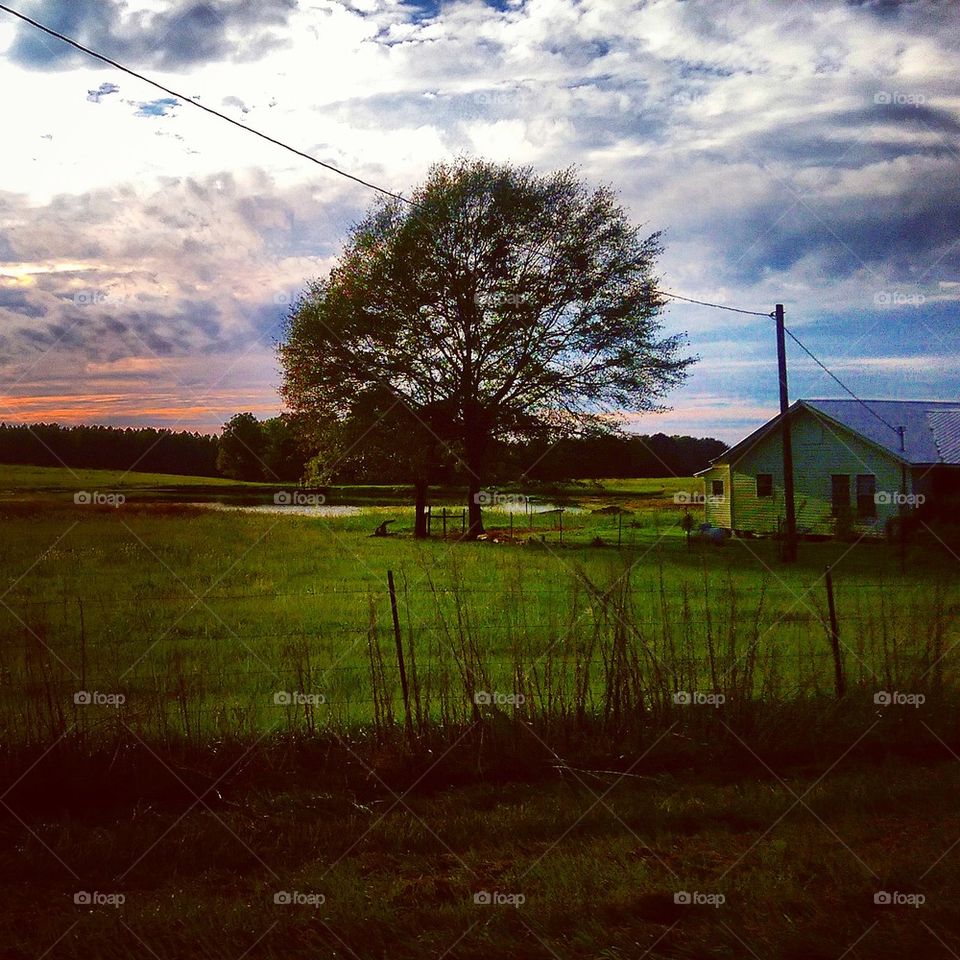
{"points": [[420, 511], [475, 449], [474, 514]]}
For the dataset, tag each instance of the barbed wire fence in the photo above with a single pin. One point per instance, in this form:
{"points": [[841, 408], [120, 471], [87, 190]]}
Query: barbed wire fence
{"points": [[192, 664]]}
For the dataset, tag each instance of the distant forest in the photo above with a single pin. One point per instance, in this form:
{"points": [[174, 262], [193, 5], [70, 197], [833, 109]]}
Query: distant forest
{"points": [[273, 450]]}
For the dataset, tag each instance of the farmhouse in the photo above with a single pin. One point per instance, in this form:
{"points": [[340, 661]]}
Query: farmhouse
{"points": [[856, 466]]}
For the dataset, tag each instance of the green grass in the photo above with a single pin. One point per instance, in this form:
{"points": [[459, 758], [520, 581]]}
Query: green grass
{"points": [[199, 617], [598, 864], [65, 479], [199, 798]]}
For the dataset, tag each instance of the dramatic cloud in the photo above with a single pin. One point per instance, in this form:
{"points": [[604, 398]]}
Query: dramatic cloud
{"points": [[178, 35], [802, 153]]}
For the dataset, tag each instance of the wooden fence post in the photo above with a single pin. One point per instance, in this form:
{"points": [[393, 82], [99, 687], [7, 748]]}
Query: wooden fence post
{"points": [[840, 682], [400, 664]]}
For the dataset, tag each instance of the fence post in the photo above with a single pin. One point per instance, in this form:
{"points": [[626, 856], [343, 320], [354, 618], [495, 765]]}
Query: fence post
{"points": [[400, 664], [561, 524], [619, 529], [839, 680]]}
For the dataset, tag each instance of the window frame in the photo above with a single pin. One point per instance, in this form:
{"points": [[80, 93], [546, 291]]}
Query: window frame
{"points": [[768, 486]]}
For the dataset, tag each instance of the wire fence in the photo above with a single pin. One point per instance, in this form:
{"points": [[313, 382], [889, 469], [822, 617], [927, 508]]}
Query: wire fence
{"points": [[239, 660]]}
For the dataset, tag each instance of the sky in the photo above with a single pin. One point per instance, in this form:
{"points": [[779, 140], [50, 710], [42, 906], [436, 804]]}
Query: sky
{"points": [[796, 152]]}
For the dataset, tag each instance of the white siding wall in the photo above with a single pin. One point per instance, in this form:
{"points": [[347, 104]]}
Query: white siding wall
{"points": [[819, 450]]}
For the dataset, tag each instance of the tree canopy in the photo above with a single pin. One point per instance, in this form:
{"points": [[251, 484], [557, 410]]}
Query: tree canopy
{"points": [[495, 304]]}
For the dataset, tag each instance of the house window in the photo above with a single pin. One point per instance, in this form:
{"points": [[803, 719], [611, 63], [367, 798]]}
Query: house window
{"points": [[764, 484], [840, 494], [716, 488], [866, 496]]}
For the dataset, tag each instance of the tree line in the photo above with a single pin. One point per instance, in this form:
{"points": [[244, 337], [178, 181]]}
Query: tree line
{"points": [[283, 450]]}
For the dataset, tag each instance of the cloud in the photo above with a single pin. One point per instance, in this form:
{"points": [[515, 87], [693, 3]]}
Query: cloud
{"points": [[180, 34], [805, 155], [157, 108], [104, 90]]}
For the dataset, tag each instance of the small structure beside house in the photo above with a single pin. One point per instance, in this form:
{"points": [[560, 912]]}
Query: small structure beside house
{"points": [[856, 466]]}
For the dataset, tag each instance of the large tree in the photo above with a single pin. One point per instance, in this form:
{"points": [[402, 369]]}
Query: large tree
{"points": [[495, 303]]}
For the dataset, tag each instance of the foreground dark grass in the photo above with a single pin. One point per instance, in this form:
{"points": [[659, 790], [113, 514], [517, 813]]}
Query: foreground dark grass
{"points": [[349, 854], [178, 823]]}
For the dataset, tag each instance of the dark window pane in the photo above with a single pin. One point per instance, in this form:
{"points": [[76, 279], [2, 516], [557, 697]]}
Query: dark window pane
{"points": [[716, 488], [866, 500], [840, 494], [764, 484]]}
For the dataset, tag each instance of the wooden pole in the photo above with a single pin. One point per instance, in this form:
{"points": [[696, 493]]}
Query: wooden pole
{"points": [[400, 664], [839, 680], [790, 544]]}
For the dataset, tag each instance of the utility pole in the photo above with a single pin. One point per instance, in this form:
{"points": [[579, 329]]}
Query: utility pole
{"points": [[790, 542]]}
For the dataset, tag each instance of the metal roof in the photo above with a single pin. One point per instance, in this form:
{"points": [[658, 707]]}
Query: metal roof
{"points": [[931, 429]]}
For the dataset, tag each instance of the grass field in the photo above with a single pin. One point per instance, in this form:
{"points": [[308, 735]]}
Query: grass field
{"points": [[576, 778]]}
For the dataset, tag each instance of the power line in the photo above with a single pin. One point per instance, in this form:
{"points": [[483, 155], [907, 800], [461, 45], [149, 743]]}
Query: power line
{"points": [[834, 377], [173, 93], [285, 146], [716, 306]]}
